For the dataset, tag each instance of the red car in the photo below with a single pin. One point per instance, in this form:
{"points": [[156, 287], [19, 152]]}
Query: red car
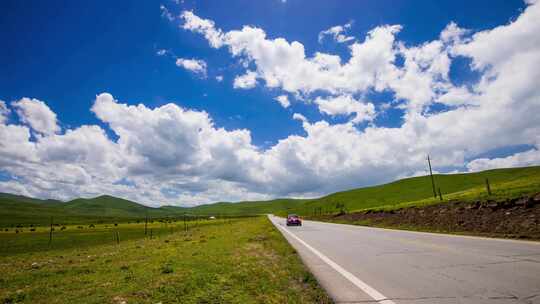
{"points": [[293, 220]]}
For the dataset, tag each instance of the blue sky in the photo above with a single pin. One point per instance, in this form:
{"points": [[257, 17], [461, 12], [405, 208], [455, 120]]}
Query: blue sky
{"points": [[64, 54]]}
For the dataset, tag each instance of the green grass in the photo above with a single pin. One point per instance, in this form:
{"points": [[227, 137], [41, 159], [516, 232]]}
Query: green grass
{"points": [[416, 191], [85, 235], [222, 261]]}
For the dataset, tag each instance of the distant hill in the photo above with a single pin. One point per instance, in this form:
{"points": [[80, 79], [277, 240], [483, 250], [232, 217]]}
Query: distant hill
{"points": [[21, 198], [15, 209], [106, 205]]}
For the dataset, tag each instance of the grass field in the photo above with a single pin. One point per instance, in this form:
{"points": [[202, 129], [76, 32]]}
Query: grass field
{"points": [[222, 261]]}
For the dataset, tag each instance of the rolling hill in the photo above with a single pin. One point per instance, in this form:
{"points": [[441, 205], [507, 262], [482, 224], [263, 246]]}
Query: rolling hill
{"points": [[414, 191]]}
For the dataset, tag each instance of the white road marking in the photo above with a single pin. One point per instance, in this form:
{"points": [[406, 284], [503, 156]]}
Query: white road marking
{"points": [[372, 292]]}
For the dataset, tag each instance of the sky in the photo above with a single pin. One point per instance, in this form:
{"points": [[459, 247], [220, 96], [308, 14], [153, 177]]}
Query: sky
{"points": [[192, 102]]}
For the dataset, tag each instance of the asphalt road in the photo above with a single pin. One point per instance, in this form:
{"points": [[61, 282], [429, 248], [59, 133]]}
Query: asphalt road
{"points": [[371, 265]]}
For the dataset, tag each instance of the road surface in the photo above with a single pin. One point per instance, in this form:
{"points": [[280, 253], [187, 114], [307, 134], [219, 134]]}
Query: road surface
{"points": [[371, 265]]}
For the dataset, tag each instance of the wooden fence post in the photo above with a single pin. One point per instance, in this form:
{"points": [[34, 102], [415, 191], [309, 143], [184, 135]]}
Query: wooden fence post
{"points": [[440, 194], [487, 186], [431, 175], [51, 232], [146, 223]]}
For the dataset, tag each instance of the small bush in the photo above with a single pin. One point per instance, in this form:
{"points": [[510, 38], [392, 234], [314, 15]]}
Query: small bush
{"points": [[91, 226], [63, 228]]}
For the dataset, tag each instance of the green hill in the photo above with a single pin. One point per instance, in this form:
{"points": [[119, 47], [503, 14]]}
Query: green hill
{"points": [[418, 190], [105, 205], [415, 191]]}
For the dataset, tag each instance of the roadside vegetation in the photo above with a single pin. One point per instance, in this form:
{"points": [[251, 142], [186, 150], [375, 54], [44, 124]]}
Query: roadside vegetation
{"points": [[506, 204], [215, 261], [509, 218]]}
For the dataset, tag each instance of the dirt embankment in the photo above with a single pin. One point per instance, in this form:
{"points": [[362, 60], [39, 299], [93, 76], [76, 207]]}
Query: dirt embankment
{"points": [[513, 218]]}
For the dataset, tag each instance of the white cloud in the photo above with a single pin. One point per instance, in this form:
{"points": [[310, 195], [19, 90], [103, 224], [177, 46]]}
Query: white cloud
{"points": [[346, 105], [372, 64], [196, 66], [37, 115], [219, 78], [166, 13], [457, 96], [298, 116], [337, 32], [284, 64], [246, 81], [4, 111], [283, 101], [202, 26], [453, 33], [523, 159], [161, 52]]}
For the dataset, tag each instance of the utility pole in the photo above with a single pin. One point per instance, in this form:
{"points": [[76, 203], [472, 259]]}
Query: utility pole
{"points": [[51, 232], [431, 175], [146, 223]]}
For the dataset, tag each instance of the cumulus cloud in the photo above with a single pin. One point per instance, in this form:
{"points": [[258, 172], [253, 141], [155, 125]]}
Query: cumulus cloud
{"points": [[346, 105], [523, 159], [206, 27], [196, 66], [4, 111], [246, 81], [37, 115], [298, 116], [219, 78], [283, 101], [337, 32], [372, 66], [283, 64]]}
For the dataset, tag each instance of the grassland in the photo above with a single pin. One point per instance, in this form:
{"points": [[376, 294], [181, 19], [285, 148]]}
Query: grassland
{"points": [[221, 261]]}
